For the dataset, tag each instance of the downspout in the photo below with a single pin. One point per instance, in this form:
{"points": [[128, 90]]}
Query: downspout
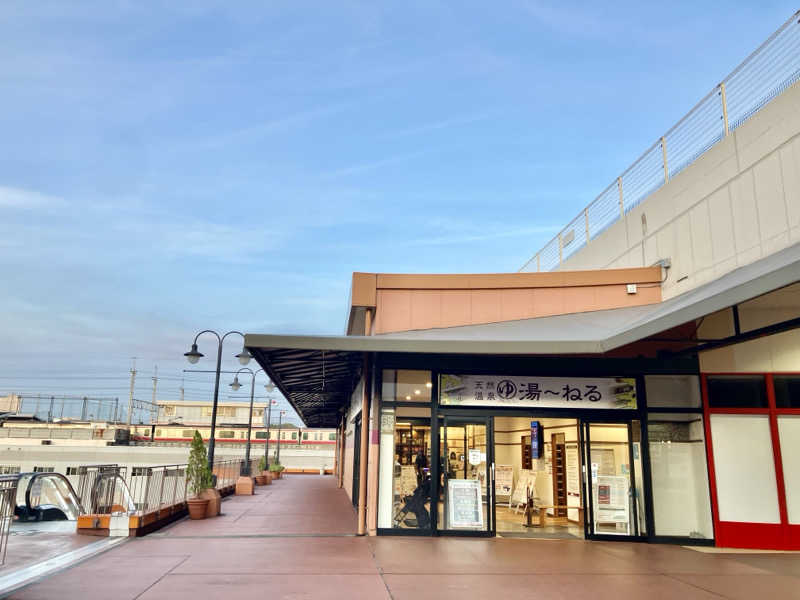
{"points": [[362, 466]]}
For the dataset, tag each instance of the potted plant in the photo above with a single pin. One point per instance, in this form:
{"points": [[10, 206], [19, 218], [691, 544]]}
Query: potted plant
{"points": [[199, 478], [275, 469], [263, 477]]}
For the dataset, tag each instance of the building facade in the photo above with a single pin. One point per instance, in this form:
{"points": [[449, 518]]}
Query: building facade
{"points": [[639, 379]]}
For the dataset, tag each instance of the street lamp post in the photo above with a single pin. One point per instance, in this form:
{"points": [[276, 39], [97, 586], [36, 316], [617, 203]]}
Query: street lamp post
{"points": [[270, 387], [280, 416], [193, 356], [236, 385]]}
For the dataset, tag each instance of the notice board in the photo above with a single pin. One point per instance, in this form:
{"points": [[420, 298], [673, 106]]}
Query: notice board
{"points": [[464, 504]]}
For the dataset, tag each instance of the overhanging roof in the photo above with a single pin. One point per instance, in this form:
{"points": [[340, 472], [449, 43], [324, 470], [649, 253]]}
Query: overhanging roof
{"points": [[296, 363]]}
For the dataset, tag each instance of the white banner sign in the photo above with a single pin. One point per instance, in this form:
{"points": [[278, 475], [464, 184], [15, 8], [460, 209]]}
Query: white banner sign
{"points": [[548, 392]]}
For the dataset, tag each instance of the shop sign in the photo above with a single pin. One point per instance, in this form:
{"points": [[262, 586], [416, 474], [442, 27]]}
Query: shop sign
{"points": [[474, 456], [535, 447], [541, 392]]}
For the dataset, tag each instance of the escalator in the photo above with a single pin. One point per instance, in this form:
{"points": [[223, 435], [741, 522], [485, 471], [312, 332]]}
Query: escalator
{"points": [[46, 497], [51, 497]]}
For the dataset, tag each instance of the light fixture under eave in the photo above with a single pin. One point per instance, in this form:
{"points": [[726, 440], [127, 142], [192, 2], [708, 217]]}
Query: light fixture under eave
{"points": [[429, 385], [417, 392], [235, 384], [408, 397], [270, 387]]}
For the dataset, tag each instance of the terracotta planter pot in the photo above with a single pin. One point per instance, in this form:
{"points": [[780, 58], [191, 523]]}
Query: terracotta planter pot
{"points": [[267, 477], [214, 501], [197, 508], [276, 474], [261, 480]]}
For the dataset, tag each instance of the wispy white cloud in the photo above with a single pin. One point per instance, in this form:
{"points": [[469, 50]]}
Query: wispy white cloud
{"points": [[11, 197], [375, 164], [484, 234], [440, 124]]}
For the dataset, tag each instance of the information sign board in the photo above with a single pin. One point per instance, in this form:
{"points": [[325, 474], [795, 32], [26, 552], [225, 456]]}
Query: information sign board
{"points": [[503, 480], [464, 504]]}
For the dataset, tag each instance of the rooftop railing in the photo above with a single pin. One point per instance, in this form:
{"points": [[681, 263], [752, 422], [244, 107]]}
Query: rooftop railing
{"points": [[768, 71]]}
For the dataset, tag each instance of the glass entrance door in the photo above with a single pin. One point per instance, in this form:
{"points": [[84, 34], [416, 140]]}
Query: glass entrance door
{"points": [[612, 479], [467, 476]]}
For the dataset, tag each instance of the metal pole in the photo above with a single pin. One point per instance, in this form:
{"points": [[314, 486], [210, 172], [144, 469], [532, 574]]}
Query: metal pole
{"points": [[621, 200], [268, 416], [214, 407], [280, 416], [83, 409], [664, 155], [130, 397], [50, 412], [249, 428], [724, 107]]}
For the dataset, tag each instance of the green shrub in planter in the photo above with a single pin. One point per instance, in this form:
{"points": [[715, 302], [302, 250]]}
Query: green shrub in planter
{"points": [[276, 467], [262, 464], [197, 471]]}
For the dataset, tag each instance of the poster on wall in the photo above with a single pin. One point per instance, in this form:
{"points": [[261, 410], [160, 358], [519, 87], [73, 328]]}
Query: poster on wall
{"points": [[548, 392], [573, 476], [464, 504], [503, 480], [611, 500], [407, 482]]}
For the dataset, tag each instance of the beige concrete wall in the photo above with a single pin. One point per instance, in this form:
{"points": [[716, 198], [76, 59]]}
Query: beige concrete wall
{"points": [[775, 353], [737, 203]]}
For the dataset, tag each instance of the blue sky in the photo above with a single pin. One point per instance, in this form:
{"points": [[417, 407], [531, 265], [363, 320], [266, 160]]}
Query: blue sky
{"points": [[168, 167]]}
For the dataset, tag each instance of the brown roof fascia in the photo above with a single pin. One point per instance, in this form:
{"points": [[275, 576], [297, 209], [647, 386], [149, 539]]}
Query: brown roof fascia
{"points": [[550, 279]]}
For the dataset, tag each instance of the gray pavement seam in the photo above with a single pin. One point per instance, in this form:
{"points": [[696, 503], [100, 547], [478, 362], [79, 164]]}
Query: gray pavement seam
{"points": [[149, 587]]}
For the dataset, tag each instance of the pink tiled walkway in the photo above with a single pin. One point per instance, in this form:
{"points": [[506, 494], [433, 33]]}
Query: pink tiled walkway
{"points": [[294, 540]]}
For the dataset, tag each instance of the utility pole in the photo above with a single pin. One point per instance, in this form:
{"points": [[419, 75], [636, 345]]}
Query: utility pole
{"points": [[182, 380], [130, 399], [155, 384]]}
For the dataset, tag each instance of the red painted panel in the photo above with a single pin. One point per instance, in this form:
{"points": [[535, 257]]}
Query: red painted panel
{"points": [[793, 537], [762, 536]]}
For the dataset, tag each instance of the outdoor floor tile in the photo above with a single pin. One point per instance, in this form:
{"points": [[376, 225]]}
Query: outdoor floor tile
{"points": [[747, 587], [296, 542], [555, 587], [279, 555], [274, 587], [109, 576]]}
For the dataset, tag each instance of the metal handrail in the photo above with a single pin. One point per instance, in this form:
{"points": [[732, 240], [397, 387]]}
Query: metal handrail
{"points": [[764, 74]]}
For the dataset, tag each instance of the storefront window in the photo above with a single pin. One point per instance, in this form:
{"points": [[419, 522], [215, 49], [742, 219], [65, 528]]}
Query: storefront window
{"points": [[737, 391], [679, 475], [787, 391], [789, 433], [404, 470], [744, 465], [679, 391], [401, 385]]}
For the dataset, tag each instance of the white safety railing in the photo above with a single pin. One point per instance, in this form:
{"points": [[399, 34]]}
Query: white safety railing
{"points": [[768, 71]]}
